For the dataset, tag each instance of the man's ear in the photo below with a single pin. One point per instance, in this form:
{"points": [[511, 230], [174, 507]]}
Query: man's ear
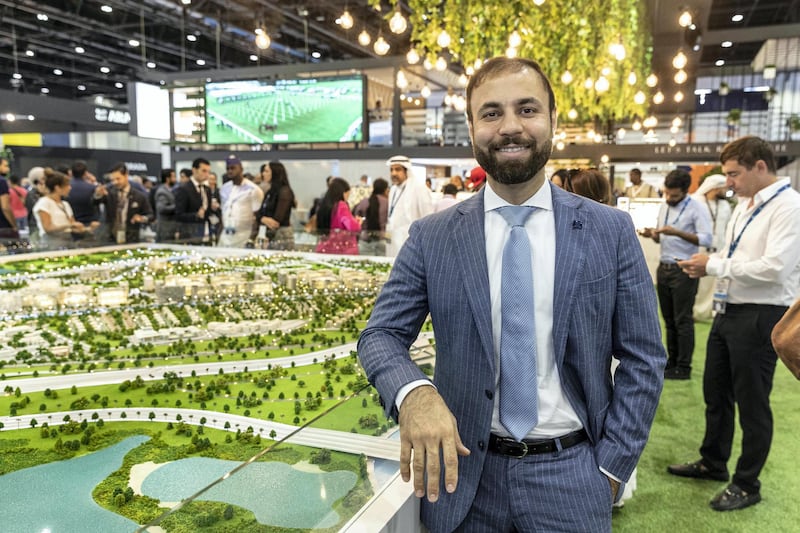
{"points": [[554, 120]]}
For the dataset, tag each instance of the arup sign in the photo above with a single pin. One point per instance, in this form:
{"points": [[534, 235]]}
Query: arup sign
{"points": [[104, 114]]}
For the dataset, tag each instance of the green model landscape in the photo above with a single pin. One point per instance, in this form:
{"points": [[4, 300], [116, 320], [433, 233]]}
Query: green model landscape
{"points": [[68, 317]]}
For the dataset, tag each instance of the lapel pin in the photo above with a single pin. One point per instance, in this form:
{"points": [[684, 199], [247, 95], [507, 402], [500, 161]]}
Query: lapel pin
{"points": [[577, 224]]}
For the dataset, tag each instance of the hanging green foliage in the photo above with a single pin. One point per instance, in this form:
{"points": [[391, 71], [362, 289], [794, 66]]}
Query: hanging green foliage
{"points": [[563, 35]]}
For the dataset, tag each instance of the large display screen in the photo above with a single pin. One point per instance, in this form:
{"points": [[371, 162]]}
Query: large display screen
{"points": [[301, 110]]}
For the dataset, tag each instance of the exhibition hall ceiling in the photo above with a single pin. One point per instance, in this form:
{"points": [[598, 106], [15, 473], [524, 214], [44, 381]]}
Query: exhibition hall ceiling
{"points": [[84, 48]]}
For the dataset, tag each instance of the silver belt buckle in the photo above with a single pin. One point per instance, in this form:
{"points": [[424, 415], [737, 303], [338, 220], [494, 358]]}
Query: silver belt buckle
{"points": [[524, 449]]}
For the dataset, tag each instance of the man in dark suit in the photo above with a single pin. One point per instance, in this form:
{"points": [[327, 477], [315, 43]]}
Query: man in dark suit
{"points": [[591, 298], [192, 205], [127, 208], [81, 196]]}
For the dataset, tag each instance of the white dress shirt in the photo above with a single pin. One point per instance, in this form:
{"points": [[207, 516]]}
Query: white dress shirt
{"points": [[556, 415], [765, 267]]}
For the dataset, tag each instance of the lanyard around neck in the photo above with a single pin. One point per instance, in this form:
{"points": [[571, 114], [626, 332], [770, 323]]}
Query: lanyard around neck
{"points": [[735, 243], [396, 198], [666, 216]]}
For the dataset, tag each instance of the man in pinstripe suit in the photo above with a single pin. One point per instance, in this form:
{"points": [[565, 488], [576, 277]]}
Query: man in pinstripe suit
{"points": [[594, 298]]}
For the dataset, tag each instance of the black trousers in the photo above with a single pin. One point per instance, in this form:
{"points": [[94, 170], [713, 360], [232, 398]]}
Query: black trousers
{"points": [[676, 293], [740, 366]]}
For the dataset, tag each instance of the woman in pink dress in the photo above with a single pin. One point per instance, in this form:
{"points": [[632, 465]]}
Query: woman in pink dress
{"points": [[337, 226]]}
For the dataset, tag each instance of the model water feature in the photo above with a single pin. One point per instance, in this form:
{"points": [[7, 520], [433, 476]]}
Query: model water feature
{"points": [[57, 497], [278, 494]]}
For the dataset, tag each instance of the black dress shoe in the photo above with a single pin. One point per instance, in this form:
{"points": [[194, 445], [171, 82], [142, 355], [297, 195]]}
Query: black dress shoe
{"points": [[697, 470], [733, 497]]}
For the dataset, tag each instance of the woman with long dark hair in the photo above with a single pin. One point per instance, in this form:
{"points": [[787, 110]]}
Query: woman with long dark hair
{"points": [[276, 209], [337, 226], [375, 210]]}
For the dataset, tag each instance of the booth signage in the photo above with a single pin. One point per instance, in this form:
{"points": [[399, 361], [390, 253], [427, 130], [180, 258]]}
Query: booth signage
{"points": [[706, 149], [115, 116]]}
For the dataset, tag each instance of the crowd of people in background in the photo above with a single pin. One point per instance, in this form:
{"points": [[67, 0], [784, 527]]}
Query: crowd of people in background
{"points": [[243, 210]]}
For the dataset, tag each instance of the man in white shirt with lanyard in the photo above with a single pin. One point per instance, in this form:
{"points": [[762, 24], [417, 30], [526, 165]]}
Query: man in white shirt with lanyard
{"points": [[758, 275], [241, 200], [409, 200]]}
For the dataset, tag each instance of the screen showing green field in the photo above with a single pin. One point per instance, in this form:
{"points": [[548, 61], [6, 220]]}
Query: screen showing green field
{"points": [[302, 110]]}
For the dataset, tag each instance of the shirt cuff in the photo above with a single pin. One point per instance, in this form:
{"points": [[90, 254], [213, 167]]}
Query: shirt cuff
{"points": [[612, 476], [620, 490], [407, 388], [715, 266]]}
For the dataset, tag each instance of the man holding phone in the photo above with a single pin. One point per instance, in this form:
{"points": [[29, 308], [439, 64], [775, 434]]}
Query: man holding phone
{"points": [[685, 227]]}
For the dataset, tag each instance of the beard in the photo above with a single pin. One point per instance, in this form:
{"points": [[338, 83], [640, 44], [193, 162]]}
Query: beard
{"points": [[514, 172], [673, 203]]}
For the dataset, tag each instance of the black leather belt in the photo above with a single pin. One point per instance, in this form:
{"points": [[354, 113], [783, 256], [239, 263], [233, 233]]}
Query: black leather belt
{"points": [[513, 448], [668, 265]]}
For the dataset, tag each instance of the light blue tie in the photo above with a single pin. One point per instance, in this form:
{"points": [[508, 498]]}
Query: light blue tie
{"points": [[518, 384]]}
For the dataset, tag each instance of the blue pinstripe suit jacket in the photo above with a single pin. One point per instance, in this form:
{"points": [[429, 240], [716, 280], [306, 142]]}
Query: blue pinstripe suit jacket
{"points": [[604, 304]]}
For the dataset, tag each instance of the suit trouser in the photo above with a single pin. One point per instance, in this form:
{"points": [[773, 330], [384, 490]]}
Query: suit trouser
{"points": [[740, 366], [560, 491], [676, 292]]}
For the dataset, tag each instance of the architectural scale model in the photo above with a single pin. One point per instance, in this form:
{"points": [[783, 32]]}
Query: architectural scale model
{"points": [[214, 354]]}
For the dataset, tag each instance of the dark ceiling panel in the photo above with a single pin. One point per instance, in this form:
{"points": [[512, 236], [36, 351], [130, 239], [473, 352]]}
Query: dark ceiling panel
{"points": [[224, 37]]}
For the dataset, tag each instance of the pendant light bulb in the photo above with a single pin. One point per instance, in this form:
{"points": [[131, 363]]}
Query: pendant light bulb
{"points": [[398, 23], [346, 20]]}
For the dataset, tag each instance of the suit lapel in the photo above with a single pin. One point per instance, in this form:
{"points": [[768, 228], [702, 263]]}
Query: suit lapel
{"points": [[471, 248], [571, 230]]}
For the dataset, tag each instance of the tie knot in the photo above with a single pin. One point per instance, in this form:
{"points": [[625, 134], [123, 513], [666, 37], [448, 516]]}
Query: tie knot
{"points": [[516, 215]]}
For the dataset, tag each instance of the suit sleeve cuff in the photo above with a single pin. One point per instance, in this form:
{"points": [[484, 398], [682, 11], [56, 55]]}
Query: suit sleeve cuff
{"points": [[407, 388]]}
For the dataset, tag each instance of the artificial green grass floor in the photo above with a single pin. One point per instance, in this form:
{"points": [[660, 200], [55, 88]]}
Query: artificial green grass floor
{"points": [[663, 502]]}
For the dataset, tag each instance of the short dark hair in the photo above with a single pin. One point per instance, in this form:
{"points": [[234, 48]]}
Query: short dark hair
{"points": [[505, 65], [678, 179], [636, 171], [186, 172], [450, 189], [119, 167], [200, 161], [165, 174], [79, 168], [747, 151]]}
